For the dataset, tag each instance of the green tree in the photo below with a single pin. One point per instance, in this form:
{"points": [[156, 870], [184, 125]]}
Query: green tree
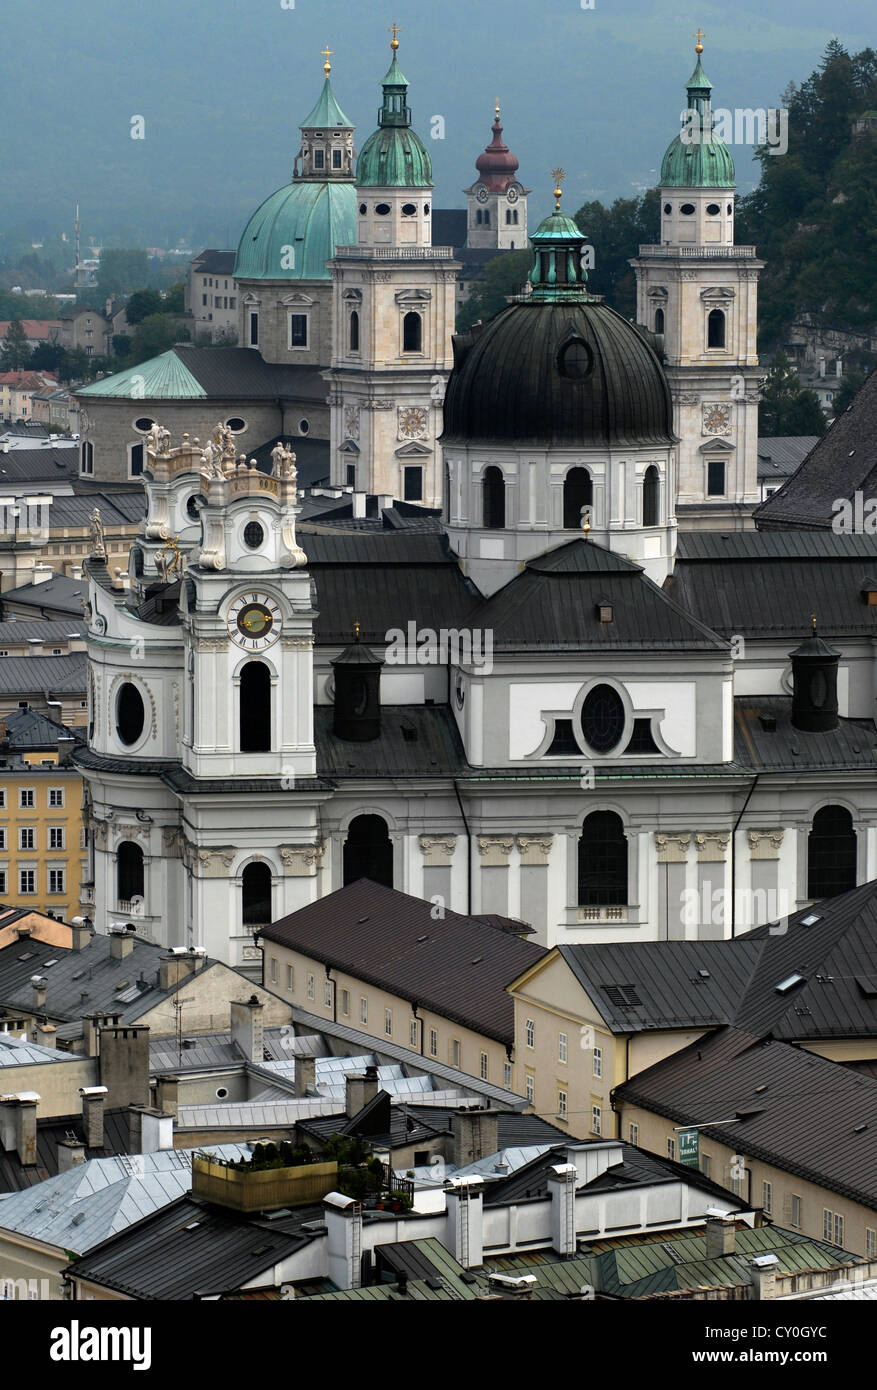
{"points": [[141, 304], [616, 234], [120, 272], [852, 382], [787, 408], [16, 350], [175, 298], [504, 275], [154, 335], [121, 345]]}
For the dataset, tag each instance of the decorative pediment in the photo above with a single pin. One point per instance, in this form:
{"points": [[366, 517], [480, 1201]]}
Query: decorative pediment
{"points": [[413, 298], [657, 292], [410, 451], [716, 446], [352, 296], [349, 446], [250, 298], [717, 295], [295, 301]]}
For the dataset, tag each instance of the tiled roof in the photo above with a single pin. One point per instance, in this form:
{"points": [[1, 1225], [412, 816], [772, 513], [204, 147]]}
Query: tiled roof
{"points": [[455, 965]]}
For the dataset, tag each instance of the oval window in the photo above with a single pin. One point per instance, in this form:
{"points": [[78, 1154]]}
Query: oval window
{"points": [[304, 426], [713, 209], [221, 1092], [668, 208], [236, 424], [687, 209], [730, 209], [362, 209], [576, 360], [426, 209], [603, 718], [382, 209], [409, 210], [144, 424], [130, 714], [253, 535]]}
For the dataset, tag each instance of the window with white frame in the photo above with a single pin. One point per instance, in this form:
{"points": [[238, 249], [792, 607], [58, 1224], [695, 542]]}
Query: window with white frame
{"points": [[507, 1075], [388, 1022], [56, 837], [3, 798], [27, 837], [596, 1119], [633, 1133], [2, 837], [598, 1061], [767, 1196], [795, 1210], [56, 797], [327, 994], [298, 330], [56, 881], [26, 798], [561, 1104], [455, 1052], [530, 1032], [274, 970], [870, 1243], [345, 1002], [484, 1065], [412, 1033], [363, 1009], [530, 1087], [290, 977], [312, 991], [832, 1227], [433, 1043], [562, 1047], [27, 881], [3, 882], [671, 1147]]}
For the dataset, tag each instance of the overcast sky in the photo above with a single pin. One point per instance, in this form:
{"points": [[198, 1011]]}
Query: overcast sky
{"points": [[222, 84]]}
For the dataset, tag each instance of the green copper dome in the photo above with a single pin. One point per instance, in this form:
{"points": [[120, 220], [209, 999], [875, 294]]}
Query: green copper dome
{"points": [[558, 272], [394, 156], [311, 218], [703, 162], [327, 114]]}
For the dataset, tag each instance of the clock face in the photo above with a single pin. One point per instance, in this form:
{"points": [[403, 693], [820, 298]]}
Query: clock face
{"points": [[412, 422], [254, 621], [717, 419], [512, 194], [481, 194]]}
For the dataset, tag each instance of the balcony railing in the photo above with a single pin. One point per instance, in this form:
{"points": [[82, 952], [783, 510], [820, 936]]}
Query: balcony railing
{"points": [[739, 253], [394, 253]]}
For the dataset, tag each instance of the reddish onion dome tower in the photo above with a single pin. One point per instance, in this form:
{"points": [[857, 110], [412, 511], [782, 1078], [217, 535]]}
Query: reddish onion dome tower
{"points": [[496, 202]]}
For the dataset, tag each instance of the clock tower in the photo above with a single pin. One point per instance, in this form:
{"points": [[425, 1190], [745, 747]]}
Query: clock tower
{"points": [[698, 292], [394, 300], [496, 203]]}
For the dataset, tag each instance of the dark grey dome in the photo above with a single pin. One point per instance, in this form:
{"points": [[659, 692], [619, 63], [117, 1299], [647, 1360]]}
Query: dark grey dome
{"points": [[555, 374]]}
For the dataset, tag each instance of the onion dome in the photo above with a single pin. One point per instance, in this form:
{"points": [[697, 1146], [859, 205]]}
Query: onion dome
{"points": [[557, 367], [696, 157], [497, 166], [394, 156]]}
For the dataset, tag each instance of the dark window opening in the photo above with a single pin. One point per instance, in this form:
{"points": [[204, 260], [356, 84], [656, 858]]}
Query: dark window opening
{"points": [[253, 535], [318, 159], [336, 159], [255, 712], [576, 359], [136, 460], [668, 208], [130, 714], [191, 512], [715, 329], [382, 209], [603, 718], [651, 496], [144, 424], [129, 871], [362, 209], [659, 320], [713, 209], [602, 861], [351, 475], [412, 333], [831, 853], [254, 330], [413, 485], [578, 492], [354, 331], [715, 483], [642, 739], [368, 851], [493, 498], [236, 424], [256, 895], [298, 330], [563, 744], [687, 209], [409, 210]]}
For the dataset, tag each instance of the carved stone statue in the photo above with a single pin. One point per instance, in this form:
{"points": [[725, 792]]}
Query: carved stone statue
{"points": [[211, 460], [98, 544], [153, 438], [164, 440], [278, 454]]}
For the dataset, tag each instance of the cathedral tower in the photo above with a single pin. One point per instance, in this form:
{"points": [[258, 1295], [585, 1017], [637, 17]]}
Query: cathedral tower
{"points": [[496, 203], [698, 290]]}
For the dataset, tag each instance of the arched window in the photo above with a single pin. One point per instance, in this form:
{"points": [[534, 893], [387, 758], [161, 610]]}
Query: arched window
{"points": [[86, 457], [602, 861], [412, 333], [651, 496], [493, 498], [256, 895], [831, 853], [368, 851], [659, 320], [578, 492], [715, 329], [129, 871], [255, 714], [354, 331]]}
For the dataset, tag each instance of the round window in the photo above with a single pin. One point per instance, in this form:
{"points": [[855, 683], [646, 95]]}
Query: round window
{"points": [[687, 209], [236, 424], [253, 535], [382, 209], [144, 424], [304, 426], [409, 210], [362, 209], [668, 208], [576, 361], [603, 718], [192, 508], [221, 1092], [130, 714], [713, 209]]}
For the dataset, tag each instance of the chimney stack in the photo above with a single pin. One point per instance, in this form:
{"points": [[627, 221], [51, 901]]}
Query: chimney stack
{"points": [[166, 1090], [763, 1275], [81, 931], [476, 1135], [361, 1090], [464, 1199], [92, 1024], [46, 1035], [721, 1233], [179, 964], [93, 1098], [562, 1191], [359, 505], [18, 1125], [247, 1028], [121, 943], [305, 1075], [39, 985], [124, 1063], [41, 574], [71, 1154], [150, 1130]]}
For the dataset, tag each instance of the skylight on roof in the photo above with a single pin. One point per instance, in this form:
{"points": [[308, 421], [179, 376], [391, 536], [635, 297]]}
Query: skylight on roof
{"points": [[47, 963], [811, 919], [788, 983]]}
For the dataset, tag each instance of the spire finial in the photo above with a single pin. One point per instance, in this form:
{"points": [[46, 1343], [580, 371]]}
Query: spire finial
{"points": [[327, 54], [394, 42], [698, 47], [813, 621], [586, 521], [558, 175], [356, 630], [496, 107]]}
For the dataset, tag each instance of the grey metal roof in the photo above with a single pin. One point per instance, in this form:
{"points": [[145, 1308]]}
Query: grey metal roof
{"points": [[765, 546], [212, 262], [15, 1177], [27, 674], [414, 741], [781, 456], [457, 965], [796, 1110], [852, 745], [842, 462], [38, 465], [17, 1052], [48, 630], [28, 729], [59, 593]]}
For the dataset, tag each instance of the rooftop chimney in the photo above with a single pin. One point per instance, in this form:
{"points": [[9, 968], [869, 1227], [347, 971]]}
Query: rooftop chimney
{"points": [[81, 931], [41, 574], [121, 943], [166, 1090], [177, 965], [93, 1023], [464, 1199], [762, 1276], [360, 1090], [39, 985], [151, 1130], [71, 1154], [93, 1099], [721, 1233], [124, 1063], [247, 1028], [359, 505], [46, 1035], [476, 1135], [18, 1125], [305, 1075]]}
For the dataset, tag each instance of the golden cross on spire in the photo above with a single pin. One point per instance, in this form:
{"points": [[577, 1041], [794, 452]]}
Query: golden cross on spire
{"points": [[394, 42], [327, 53], [700, 35], [558, 175], [496, 107], [813, 620], [356, 629]]}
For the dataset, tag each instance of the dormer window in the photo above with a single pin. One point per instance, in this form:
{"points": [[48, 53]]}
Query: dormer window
{"points": [[604, 611]]}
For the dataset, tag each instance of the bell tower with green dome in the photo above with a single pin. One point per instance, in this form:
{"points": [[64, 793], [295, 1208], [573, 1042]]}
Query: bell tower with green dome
{"points": [[698, 292], [284, 283], [394, 302]]}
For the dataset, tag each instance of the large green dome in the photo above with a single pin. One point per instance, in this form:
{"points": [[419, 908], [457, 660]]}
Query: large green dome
{"points": [[312, 218], [698, 163], [394, 156]]}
